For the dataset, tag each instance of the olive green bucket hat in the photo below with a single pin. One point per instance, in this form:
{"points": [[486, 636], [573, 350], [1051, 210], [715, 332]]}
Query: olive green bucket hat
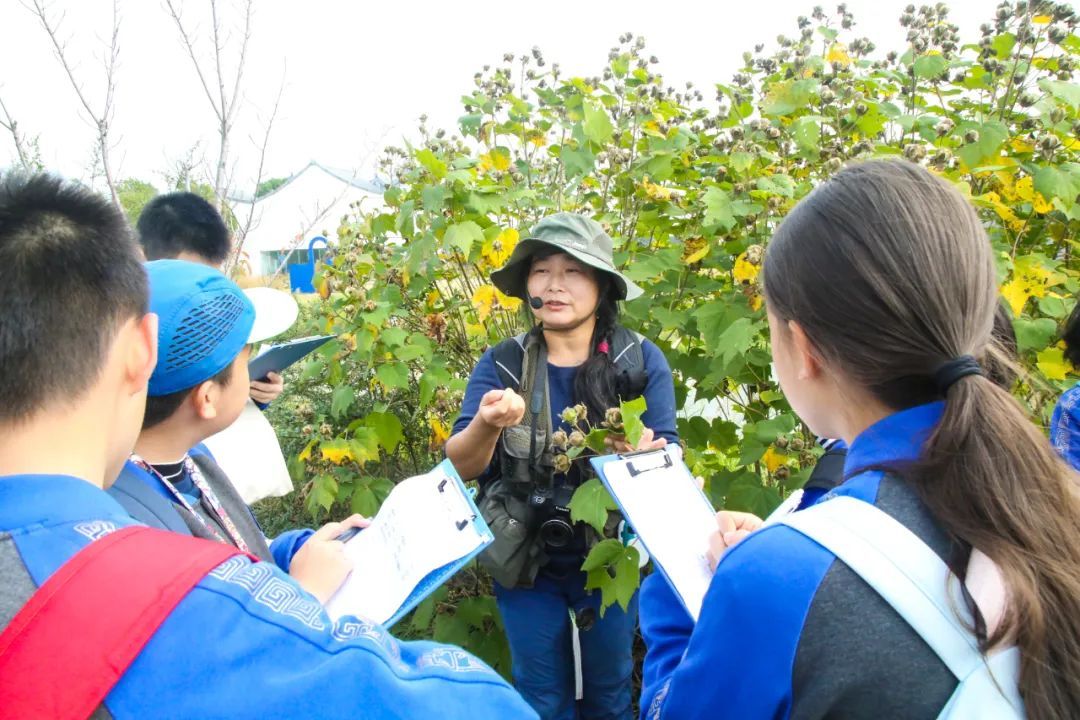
{"points": [[573, 234]]}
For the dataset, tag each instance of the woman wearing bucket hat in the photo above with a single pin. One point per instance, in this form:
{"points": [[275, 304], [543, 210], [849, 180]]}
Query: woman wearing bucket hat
{"points": [[577, 357]]}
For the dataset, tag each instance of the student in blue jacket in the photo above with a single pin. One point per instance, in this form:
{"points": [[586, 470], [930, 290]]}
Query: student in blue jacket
{"points": [[1065, 422], [578, 357], [184, 226], [77, 348], [787, 630], [197, 389]]}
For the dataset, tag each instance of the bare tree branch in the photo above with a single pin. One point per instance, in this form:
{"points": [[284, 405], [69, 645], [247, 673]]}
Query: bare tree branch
{"points": [[101, 120], [247, 226], [224, 105], [9, 124]]}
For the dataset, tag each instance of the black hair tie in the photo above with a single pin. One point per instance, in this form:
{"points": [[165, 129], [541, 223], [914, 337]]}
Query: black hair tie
{"points": [[960, 367]]}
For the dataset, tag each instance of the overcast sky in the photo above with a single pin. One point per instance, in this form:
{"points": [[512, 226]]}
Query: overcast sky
{"points": [[358, 74]]}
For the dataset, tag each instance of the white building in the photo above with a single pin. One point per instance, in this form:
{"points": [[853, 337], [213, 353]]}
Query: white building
{"points": [[310, 203]]}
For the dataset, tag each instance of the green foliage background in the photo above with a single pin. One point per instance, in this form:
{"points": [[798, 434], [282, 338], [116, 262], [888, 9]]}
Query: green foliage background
{"points": [[691, 184]]}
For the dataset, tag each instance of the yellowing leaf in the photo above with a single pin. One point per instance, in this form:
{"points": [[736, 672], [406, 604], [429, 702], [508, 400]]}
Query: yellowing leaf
{"points": [[497, 250], [440, 432], [305, 454], [507, 302], [1040, 204], [1052, 364], [1041, 20], [695, 249], [838, 55], [1016, 294], [483, 299], [538, 139], [498, 159], [656, 192], [1008, 188], [1025, 188], [744, 271], [652, 127], [773, 459], [756, 301], [1021, 146], [432, 298], [336, 452]]}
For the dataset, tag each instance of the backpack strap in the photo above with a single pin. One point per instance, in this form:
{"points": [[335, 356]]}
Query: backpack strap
{"points": [[80, 631], [509, 356], [911, 577], [137, 493]]}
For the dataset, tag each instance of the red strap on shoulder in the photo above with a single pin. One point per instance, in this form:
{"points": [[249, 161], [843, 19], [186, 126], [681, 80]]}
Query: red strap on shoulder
{"points": [[76, 636]]}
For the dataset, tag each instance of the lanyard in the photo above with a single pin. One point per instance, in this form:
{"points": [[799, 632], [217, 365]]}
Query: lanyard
{"points": [[204, 487]]}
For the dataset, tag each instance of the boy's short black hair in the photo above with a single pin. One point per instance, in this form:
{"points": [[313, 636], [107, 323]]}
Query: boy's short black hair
{"points": [[70, 275], [160, 408], [1071, 336], [182, 221]]}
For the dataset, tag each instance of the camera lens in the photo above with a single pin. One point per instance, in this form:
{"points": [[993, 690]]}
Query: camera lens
{"points": [[557, 533]]}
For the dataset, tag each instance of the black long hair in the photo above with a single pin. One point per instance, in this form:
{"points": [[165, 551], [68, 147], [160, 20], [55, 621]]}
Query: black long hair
{"points": [[598, 383]]}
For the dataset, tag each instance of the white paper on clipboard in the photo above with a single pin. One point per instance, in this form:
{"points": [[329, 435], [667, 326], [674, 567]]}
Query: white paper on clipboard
{"points": [[663, 503]]}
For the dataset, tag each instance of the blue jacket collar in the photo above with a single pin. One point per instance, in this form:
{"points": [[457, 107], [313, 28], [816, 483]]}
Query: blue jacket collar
{"points": [[52, 500], [893, 441]]}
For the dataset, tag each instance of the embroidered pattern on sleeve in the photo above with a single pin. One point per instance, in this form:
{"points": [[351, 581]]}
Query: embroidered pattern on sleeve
{"points": [[271, 591], [95, 529]]}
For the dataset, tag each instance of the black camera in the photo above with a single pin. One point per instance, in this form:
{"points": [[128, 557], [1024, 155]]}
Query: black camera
{"points": [[551, 506]]}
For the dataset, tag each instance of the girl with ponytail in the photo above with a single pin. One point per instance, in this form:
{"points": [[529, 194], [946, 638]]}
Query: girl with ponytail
{"points": [[565, 274], [789, 630]]}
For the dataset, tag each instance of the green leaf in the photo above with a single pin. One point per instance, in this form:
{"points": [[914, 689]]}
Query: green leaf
{"points": [[591, 503], [434, 198], [1034, 334], [633, 427], [1066, 92], [342, 400], [597, 126], [595, 440], [388, 427], [312, 370], [741, 161], [463, 235], [737, 339], [930, 66], [992, 135], [777, 185], [787, 96], [603, 554], [1059, 182], [749, 495], [718, 210], [425, 611], [433, 164], [451, 629], [364, 502], [1003, 45], [627, 577], [323, 492], [393, 375], [767, 431], [577, 162], [1055, 307], [807, 132]]}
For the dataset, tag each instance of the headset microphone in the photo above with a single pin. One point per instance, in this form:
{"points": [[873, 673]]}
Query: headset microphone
{"points": [[535, 302]]}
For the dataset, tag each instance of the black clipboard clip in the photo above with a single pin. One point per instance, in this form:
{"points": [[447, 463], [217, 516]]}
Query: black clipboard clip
{"points": [[459, 524], [635, 469]]}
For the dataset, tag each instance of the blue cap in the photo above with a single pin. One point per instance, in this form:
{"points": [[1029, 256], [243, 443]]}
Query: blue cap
{"points": [[204, 321]]}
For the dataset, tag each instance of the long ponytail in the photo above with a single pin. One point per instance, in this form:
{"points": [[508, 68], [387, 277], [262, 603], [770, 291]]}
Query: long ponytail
{"points": [[889, 272]]}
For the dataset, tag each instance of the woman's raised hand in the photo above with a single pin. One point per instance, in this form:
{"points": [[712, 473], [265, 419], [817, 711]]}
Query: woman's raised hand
{"points": [[501, 408]]}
